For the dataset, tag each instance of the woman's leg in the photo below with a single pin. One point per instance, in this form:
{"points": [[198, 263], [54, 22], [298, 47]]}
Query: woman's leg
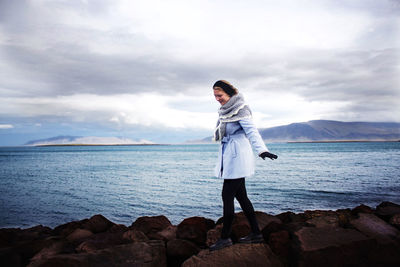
{"points": [[247, 207], [229, 190]]}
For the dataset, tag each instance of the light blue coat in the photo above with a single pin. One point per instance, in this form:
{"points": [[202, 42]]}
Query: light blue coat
{"points": [[236, 157]]}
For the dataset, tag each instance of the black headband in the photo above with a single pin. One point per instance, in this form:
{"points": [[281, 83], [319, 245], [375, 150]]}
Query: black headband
{"points": [[226, 87]]}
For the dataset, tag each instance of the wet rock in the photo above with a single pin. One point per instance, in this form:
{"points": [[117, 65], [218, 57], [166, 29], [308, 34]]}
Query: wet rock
{"points": [[97, 224], [179, 250], [151, 225], [332, 247], [237, 255], [151, 253], [195, 229]]}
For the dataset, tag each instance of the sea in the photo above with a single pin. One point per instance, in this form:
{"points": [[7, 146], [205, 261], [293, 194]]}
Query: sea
{"points": [[57, 184]]}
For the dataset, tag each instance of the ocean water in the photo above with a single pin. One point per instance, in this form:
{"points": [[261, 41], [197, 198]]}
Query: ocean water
{"points": [[54, 185]]}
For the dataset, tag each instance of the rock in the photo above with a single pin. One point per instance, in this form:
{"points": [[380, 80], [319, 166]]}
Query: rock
{"points": [[79, 235], [179, 250], [168, 233], [280, 243], [386, 210], [101, 241], [395, 221], [135, 236], [271, 228], [290, 217], [56, 246], [372, 226], [151, 225], [331, 247], [68, 228], [118, 228], [97, 224], [195, 229], [362, 209], [213, 235], [325, 220], [151, 253], [241, 226], [237, 255]]}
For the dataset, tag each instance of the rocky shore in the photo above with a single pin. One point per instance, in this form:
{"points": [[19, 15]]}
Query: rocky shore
{"points": [[362, 236]]}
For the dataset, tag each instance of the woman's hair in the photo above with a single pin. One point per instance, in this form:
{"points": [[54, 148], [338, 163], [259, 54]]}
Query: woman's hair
{"points": [[226, 87]]}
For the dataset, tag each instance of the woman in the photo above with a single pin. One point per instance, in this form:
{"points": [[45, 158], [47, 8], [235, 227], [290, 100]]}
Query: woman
{"points": [[234, 130]]}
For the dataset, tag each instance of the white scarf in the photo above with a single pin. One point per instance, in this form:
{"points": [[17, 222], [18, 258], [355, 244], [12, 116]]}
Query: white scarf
{"points": [[235, 109]]}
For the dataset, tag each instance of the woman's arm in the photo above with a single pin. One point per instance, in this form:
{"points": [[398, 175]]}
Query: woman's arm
{"points": [[253, 135]]}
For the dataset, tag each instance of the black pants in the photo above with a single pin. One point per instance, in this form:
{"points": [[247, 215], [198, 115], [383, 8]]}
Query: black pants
{"points": [[235, 188]]}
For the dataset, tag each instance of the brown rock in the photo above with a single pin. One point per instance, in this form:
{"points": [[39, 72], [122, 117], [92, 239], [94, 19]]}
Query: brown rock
{"points": [[118, 228], [362, 209], [151, 225], [135, 236], [101, 241], [68, 228], [78, 235], [330, 219], [151, 253], [168, 233], [179, 250], [241, 226], [213, 235], [290, 217], [56, 246], [332, 247], [97, 224], [195, 229], [279, 243], [372, 226], [386, 210], [395, 221], [237, 255]]}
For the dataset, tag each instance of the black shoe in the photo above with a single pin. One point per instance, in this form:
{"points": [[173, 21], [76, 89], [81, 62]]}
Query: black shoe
{"points": [[252, 239], [221, 243]]}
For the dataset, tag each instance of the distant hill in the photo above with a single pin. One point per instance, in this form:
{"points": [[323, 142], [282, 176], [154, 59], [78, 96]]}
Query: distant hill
{"points": [[86, 140], [326, 130]]}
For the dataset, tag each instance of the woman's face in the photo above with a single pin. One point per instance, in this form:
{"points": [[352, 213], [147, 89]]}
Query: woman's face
{"points": [[221, 96]]}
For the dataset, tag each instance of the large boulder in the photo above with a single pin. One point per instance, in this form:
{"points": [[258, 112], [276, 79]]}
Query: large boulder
{"points": [[372, 226], [331, 246], [151, 253], [237, 255], [151, 225], [387, 252], [195, 229], [179, 250], [67, 228]]}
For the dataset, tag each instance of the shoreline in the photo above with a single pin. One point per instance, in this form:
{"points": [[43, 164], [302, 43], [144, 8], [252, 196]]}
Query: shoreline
{"points": [[359, 236]]}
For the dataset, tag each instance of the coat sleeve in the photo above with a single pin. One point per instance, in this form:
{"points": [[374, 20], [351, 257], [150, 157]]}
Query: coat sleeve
{"points": [[253, 135]]}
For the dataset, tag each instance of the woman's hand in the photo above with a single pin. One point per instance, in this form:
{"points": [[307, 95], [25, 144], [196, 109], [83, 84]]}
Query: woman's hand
{"points": [[268, 155]]}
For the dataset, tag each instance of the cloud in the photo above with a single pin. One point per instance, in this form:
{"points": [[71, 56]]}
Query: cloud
{"points": [[152, 63]]}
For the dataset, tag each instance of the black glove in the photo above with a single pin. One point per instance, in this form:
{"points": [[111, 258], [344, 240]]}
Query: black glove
{"points": [[268, 155]]}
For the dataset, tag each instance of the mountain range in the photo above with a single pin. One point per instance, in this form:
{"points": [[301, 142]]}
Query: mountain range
{"points": [[86, 140], [327, 130]]}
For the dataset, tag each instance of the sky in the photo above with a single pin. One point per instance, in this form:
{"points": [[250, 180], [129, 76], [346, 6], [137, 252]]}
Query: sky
{"points": [[145, 69]]}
